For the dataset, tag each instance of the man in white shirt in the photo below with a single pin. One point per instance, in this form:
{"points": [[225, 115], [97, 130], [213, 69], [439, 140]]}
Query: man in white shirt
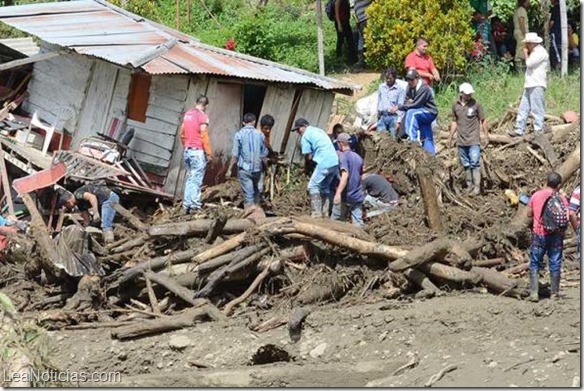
{"points": [[537, 63]]}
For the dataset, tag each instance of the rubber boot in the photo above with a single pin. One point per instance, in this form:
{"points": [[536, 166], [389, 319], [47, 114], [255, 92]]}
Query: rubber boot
{"points": [[533, 286], [555, 285], [326, 207], [316, 205], [476, 179], [468, 180], [108, 236]]}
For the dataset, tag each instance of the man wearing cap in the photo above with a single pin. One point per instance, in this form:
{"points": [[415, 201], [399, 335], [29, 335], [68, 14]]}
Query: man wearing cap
{"points": [[468, 119], [420, 111], [537, 65], [349, 195], [317, 146], [422, 62]]}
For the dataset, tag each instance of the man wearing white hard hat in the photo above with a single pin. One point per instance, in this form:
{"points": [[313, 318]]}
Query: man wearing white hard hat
{"points": [[468, 121], [537, 63]]}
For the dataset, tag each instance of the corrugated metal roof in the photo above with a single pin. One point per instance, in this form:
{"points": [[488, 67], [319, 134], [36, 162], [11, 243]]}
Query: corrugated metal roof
{"points": [[25, 46], [97, 28]]}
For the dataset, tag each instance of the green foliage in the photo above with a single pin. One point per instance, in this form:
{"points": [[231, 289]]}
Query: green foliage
{"points": [[504, 9], [394, 25]]}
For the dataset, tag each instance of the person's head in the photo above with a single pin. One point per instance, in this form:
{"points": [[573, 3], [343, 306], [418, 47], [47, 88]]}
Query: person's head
{"points": [[466, 92], [532, 40], [267, 123], [554, 180], [412, 77], [202, 103], [337, 129], [421, 45], [390, 76], [249, 119], [300, 125], [344, 141], [65, 199], [523, 3]]}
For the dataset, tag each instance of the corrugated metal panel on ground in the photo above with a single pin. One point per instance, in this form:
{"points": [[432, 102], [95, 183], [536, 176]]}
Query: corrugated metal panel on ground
{"points": [[97, 28]]}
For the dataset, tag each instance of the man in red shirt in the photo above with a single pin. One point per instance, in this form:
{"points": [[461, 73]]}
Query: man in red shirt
{"points": [[544, 242], [194, 135], [422, 62]]}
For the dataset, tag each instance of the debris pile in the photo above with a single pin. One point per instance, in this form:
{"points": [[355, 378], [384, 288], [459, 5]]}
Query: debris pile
{"points": [[168, 271]]}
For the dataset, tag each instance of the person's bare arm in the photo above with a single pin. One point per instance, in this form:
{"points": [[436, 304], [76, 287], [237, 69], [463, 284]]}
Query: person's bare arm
{"points": [[86, 218], [425, 74], [485, 130], [530, 213], [453, 127], [7, 231], [183, 135], [341, 187], [338, 15], [92, 199]]}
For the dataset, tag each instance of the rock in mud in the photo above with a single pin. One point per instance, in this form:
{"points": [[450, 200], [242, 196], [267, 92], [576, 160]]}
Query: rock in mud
{"points": [[179, 342], [318, 350]]}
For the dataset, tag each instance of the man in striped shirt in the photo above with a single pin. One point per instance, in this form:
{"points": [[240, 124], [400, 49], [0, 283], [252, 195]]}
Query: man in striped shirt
{"points": [[249, 151], [390, 94], [575, 214]]}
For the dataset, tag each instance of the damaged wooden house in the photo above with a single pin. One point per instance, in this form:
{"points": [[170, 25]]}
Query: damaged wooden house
{"points": [[104, 71]]}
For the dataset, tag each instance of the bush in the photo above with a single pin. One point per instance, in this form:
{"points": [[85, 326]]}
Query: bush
{"points": [[394, 25]]}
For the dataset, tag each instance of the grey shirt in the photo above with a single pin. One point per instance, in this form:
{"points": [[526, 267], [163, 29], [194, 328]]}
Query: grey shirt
{"points": [[378, 187]]}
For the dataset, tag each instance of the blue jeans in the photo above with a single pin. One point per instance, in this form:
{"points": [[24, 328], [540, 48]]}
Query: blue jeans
{"points": [[355, 208], [250, 185], [376, 207], [195, 162], [470, 156], [387, 123], [533, 100], [108, 213], [418, 127], [552, 245], [321, 180]]}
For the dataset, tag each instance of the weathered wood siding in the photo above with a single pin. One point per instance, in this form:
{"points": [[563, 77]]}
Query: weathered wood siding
{"points": [[315, 106], [58, 82], [278, 103], [154, 140]]}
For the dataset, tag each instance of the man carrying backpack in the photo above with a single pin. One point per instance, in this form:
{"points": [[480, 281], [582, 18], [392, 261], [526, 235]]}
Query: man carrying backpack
{"points": [[549, 212]]}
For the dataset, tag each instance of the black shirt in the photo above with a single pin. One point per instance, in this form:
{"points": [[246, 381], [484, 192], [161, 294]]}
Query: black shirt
{"points": [[378, 187], [102, 193]]}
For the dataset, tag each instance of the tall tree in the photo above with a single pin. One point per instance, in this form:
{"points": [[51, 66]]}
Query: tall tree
{"points": [[320, 37]]}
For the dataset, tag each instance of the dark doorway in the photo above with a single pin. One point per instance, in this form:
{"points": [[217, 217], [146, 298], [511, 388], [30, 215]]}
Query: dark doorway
{"points": [[253, 99]]}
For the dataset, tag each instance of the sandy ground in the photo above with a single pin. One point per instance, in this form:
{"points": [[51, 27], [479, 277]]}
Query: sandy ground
{"points": [[485, 340]]}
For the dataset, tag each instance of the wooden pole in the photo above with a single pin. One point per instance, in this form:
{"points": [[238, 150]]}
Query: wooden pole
{"points": [[189, 12], [5, 183], [430, 198], [564, 26], [320, 37], [177, 14]]}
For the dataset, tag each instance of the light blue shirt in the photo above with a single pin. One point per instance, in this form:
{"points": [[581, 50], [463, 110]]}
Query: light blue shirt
{"points": [[249, 148], [389, 97], [316, 142], [3, 221]]}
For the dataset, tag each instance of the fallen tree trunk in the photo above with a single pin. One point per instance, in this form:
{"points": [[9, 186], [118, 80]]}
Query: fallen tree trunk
{"points": [[432, 251], [431, 207], [133, 220], [176, 322], [449, 273], [180, 291], [496, 281], [202, 227], [489, 262], [421, 280]]}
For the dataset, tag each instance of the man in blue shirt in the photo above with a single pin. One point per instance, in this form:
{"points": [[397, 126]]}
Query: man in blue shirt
{"points": [[317, 146], [249, 151], [349, 195], [390, 94]]}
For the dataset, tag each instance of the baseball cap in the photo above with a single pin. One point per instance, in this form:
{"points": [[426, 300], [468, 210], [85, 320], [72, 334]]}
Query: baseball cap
{"points": [[412, 74], [343, 138], [466, 88], [300, 122]]}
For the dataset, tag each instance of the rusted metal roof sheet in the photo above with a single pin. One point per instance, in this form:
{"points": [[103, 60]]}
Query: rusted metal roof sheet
{"points": [[97, 28]]}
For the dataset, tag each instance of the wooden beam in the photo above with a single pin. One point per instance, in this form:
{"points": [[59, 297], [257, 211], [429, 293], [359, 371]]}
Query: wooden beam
{"points": [[5, 184], [28, 60]]}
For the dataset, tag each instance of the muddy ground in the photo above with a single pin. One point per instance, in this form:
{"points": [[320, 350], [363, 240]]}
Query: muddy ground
{"points": [[492, 341]]}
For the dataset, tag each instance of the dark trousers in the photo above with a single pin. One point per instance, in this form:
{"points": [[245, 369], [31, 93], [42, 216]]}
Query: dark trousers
{"points": [[346, 34]]}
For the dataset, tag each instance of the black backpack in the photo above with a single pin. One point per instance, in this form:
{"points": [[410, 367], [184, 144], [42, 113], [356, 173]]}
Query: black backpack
{"points": [[330, 10], [554, 214]]}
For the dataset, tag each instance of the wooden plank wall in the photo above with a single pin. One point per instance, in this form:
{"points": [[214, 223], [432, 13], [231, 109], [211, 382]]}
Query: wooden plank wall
{"points": [[315, 106], [278, 103], [58, 82], [154, 139]]}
